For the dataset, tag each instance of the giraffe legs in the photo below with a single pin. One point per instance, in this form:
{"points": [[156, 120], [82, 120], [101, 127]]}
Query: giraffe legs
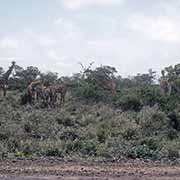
{"points": [[62, 101], [1, 92], [4, 92]]}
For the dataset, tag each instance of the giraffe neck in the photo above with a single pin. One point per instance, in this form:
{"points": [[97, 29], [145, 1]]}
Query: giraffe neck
{"points": [[8, 73]]}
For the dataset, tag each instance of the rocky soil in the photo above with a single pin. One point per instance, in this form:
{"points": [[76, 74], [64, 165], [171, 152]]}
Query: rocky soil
{"points": [[57, 169]]}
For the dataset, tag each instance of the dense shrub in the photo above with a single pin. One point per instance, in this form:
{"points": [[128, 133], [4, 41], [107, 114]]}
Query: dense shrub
{"points": [[171, 149], [90, 91], [104, 116], [145, 152], [174, 120], [128, 102], [152, 121], [87, 130]]}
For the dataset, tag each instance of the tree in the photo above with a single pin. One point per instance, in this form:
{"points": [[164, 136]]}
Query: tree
{"points": [[24, 77], [48, 78], [145, 79], [96, 85]]}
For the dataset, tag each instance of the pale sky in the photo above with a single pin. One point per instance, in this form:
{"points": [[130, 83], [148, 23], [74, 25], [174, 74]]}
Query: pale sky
{"points": [[131, 35]]}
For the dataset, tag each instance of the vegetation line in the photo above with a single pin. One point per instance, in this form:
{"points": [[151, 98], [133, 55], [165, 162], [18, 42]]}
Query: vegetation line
{"points": [[92, 114]]}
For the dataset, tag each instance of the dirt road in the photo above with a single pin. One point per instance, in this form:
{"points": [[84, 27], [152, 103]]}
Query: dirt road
{"points": [[53, 169]]}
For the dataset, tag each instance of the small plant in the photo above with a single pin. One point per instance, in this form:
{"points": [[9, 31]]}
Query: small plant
{"points": [[53, 152], [103, 151], [88, 148], [171, 149], [145, 152]]}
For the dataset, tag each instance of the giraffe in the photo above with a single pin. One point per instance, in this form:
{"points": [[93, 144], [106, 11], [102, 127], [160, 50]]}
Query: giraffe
{"points": [[50, 94], [60, 89], [31, 93], [4, 79], [47, 95], [165, 87], [109, 85], [36, 91], [31, 90], [165, 84]]}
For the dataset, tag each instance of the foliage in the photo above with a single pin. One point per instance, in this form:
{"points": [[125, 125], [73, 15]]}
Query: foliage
{"points": [[48, 78], [134, 121], [128, 102], [92, 85], [144, 151], [23, 77]]}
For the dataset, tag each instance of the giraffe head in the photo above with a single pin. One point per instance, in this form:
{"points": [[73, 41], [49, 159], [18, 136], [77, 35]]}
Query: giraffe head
{"points": [[13, 63]]}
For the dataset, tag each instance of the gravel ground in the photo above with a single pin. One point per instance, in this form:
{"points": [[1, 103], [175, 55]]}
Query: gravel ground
{"points": [[58, 169]]}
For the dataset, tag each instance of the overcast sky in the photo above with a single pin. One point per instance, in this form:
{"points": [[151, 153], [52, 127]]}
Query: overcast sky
{"points": [[131, 35]]}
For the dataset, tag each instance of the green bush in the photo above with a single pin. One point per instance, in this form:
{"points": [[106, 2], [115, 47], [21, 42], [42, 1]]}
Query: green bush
{"points": [[90, 92], [53, 152], [153, 121], [171, 149], [145, 152], [86, 147], [128, 102], [103, 151], [86, 130], [151, 142]]}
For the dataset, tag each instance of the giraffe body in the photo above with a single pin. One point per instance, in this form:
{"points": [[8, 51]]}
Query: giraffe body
{"points": [[165, 87]]}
